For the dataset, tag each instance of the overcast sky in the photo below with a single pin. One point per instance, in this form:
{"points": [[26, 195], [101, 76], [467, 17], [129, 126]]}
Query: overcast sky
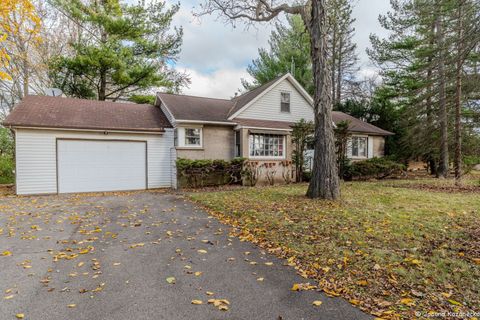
{"points": [[216, 55]]}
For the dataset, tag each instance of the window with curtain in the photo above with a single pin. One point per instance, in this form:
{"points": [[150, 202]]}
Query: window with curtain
{"points": [[359, 146], [192, 136]]}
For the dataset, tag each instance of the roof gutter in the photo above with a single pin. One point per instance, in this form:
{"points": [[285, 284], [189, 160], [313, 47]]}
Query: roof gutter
{"points": [[106, 130], [207, 122]]}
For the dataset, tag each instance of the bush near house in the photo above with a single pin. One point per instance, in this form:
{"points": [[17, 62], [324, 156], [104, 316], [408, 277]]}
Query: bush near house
{"points": [[7, 167], [203, 173], [378, 168], [7, 163]]}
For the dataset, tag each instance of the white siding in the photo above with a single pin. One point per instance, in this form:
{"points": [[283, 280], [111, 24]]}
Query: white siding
{"points": [[36, 157], [268, 106]]}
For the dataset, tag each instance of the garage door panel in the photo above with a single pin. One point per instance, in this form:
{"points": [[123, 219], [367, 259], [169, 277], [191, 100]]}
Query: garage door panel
{"points": [[89, 166]]}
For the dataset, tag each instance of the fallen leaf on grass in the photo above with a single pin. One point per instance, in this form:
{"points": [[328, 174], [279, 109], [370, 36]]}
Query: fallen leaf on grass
{"points": [[197, 302], [171, 280], [198, 273], [20, 315], [6, 253], [317, 303], [209, 293], [407, 301], [202, 251], [116, 263], [136, 245], [269, 263], [9, 297], [73, 305], [260, 279]]}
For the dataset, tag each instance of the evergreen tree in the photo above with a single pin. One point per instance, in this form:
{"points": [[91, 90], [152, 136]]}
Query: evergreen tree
{"points": [[289, 52], [120, 50]]}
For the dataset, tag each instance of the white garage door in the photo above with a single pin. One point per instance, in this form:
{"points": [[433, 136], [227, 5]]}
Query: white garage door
{"points": [[89, 165]]}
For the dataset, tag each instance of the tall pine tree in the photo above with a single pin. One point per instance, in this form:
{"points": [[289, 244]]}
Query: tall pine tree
{"points": [[121, 49]]}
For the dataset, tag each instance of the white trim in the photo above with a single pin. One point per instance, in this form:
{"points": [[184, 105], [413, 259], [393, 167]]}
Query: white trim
{"points": [[283, 157], [166, 108], [366, 146], [262, 128], [207, 122], [89, 130], [288, 76]]}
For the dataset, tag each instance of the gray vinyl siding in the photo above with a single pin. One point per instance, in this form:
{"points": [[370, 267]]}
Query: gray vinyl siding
{"points": [[268, 106]]}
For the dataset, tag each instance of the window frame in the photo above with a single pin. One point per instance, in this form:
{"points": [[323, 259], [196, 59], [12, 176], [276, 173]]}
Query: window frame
{"points": [[281, 141], [185, 137], [289, 101], [358, 156]]}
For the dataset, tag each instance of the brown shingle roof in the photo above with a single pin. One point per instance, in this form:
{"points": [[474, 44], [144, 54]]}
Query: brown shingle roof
{"points": [[196, 108], [57, 112], [357, 125]]}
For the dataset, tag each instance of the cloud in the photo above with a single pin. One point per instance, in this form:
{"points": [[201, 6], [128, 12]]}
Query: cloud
{"points": [[222, 83], [210, 45]]}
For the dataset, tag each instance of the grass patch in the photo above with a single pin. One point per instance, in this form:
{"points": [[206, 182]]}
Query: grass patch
{"points": [[391, 251]]}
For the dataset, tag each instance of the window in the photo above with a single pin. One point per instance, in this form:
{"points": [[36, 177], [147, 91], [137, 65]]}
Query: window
{"points": [[192, 136], [266, 145], [237, 143], [285, 102], [359, 147]]}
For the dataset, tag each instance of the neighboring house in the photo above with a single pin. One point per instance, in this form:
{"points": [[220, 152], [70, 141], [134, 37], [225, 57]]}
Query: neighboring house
{"points": [[71, 145]]}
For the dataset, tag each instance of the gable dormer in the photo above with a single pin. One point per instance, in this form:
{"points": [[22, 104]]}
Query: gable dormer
{"points": [[282, 99]]}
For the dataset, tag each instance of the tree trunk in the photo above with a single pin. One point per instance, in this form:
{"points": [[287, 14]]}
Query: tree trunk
{"points": [[339, 74], [334, 61], [324, 182], [443, 167], [458, 100]]}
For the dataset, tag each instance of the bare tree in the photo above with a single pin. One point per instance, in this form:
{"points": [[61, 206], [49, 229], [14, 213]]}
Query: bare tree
{"points": [[324, 182]]}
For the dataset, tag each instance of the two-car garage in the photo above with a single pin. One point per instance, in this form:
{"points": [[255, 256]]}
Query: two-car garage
{"points": [[101, 165], [66, 145]]}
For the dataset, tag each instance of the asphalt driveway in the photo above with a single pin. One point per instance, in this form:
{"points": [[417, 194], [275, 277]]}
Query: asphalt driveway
{"points": [[143, 255]]}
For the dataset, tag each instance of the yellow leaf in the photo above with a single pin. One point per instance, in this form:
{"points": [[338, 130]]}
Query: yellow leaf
{"points": [[202, 251], [362, 283], [223, 308], [198, 273], [135, 245], [476, 260], [454, 302], [260, 279], [407, 301], [317, 303], [269, 263], [20, 315], [9, 297], [80, 264], [116, 263], [209, 293], [197, 302], [170, 280], [73, 305], [6, 253]]}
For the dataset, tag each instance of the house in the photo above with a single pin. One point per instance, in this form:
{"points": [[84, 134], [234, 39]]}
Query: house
{"points": [[70, 145]]}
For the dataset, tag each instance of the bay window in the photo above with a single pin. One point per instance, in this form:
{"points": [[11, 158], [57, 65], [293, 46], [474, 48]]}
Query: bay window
{"points": [[266, 145]]}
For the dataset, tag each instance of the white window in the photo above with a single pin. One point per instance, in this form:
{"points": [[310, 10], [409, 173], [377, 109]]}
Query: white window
{"points": [[359, 147], [193, 137], [285, 102], [266, 145]]}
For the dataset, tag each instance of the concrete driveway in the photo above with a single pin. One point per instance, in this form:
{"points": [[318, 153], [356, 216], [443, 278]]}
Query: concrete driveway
{"points": [[109, 257]]}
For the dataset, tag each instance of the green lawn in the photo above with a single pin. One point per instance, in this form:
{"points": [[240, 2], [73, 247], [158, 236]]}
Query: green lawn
{"points": [[388, 247]]}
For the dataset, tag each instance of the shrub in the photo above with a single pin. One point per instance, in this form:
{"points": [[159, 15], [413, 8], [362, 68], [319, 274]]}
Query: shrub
{"points": [[200, 173], [7, 167], [378, 168], [251, 172]]}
